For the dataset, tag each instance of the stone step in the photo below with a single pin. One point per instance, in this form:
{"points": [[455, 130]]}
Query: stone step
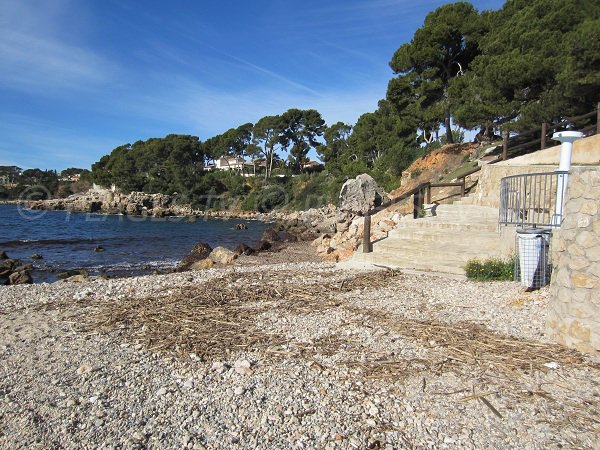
{"points": [[414, 261], [475, 210], [420, 224], [441, 243], [470, 247], [450, 235]]}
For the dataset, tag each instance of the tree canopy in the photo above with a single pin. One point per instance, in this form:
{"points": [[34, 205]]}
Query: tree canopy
{"points": [[528, 62]]}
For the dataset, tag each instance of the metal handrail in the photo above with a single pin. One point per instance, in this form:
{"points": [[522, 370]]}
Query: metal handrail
{"points": [[530, 199]]}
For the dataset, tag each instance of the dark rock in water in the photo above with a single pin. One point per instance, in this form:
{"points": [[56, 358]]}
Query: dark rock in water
{"points": [[264, 246], [270, 235], [37, 256], [243, 249], [23, 268], [241, 226], [202, 249], [3, 255], [8, 265], [95, 207], [71, 273], [99, 248], [20, 278]]}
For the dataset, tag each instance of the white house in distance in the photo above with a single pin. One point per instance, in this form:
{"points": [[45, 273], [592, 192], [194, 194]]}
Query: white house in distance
{"points": [[235, 163], [248, 169]]}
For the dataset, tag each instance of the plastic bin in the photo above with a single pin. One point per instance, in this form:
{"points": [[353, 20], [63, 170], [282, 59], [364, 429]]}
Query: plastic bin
{"points": [[534, 268]]}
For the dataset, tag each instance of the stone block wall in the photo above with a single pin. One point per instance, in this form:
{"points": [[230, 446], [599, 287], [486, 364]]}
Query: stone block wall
{"points": [[488, 186], [574, 310]]}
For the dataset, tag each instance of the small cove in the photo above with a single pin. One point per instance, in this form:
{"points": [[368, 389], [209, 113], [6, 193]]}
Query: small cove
{"points": [[133, 245]]}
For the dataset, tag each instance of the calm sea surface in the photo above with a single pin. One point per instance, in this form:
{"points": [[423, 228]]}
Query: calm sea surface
{"points": [[133, 245]]}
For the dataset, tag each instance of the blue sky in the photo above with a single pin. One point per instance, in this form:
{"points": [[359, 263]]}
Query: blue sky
{"points": [[80, 77]]}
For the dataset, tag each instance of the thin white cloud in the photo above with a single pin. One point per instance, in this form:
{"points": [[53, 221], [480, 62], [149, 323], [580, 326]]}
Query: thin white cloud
{"points": [[35, 59], [205, 111], [30, 143], [274, 75]]}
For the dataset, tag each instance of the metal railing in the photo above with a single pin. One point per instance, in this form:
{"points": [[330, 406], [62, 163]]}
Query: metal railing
{"points": [[531, 199]]}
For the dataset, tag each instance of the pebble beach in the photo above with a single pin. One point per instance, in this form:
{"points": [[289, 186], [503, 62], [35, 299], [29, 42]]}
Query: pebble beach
{"points": [[289, 353]]}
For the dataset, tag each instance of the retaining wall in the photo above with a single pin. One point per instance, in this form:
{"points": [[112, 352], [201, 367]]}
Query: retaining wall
{"points": [[574, 310]]}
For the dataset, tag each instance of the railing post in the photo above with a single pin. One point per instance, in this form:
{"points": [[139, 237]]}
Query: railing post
{"points": [[367, 247], [462, 187], [417, 203], [428, 191], [504, 145], [544, 133]]}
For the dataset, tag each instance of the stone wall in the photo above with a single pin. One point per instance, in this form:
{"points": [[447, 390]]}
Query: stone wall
{"points": [[585, 152], [574, 312], [488, 186]]}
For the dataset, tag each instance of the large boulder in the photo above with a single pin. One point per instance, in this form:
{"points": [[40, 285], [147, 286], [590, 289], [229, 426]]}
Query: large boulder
{"points": [[361, 194], [22, 277], [221, 255], [243, 249], [202, 264], [201, 251], [271, 235]]}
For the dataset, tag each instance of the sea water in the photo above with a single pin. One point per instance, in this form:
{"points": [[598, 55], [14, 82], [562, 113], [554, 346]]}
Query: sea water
{"points": [[132, 245]]}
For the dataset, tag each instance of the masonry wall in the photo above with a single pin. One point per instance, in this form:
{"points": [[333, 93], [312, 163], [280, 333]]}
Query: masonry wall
{"points": [[574, 310], [488, 186]]}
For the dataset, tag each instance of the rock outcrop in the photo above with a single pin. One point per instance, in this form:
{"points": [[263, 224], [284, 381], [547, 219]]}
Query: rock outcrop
{"points": [[104, 201], [13, 271], [361, 194]]}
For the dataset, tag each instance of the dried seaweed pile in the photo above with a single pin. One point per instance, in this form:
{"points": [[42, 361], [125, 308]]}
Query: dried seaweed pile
{"points": [[219, 316], [469, 344]]}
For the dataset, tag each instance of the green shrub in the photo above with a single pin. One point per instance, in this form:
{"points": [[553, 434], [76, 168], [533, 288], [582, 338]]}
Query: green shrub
{"points": [[266, 199], [492, 269]]}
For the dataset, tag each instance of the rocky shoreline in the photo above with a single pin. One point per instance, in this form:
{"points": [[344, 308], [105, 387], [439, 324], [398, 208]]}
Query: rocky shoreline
{"points": [[336, 231], [300, 355]]}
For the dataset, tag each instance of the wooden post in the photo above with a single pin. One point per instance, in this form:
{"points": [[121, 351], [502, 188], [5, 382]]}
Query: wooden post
{"points": [[598, 118], [428, 198], [367, 247], [462, 187], [544, 133], [504, 145], [417, 203]]}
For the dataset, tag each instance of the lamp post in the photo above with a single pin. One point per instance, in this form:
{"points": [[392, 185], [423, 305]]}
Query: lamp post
{"points": [[566, 139]]}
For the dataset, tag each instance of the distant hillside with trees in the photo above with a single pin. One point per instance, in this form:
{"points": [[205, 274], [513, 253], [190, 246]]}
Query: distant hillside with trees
{"points": [[530, 62]]}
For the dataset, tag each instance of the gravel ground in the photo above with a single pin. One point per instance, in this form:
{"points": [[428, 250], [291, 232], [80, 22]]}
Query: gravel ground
{"points": [[402, 361]]}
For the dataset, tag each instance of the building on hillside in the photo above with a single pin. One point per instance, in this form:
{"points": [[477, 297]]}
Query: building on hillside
{"points": [[234, 163], [311, 165], [71, 178], [9, 174]]}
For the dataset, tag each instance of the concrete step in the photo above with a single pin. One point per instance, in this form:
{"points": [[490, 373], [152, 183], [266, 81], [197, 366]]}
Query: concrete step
{"points": [[468, 200], [463, 209], [413, 262], [474, 236], [441, 243], [469, 247], [444, 226]]}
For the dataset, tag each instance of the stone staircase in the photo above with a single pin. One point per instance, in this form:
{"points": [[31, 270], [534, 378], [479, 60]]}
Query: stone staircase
{"points": [[441, 243]]}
